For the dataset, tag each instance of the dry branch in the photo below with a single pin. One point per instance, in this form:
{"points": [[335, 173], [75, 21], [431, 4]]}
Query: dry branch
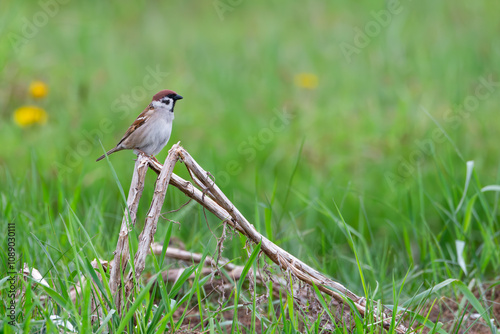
{"points": [[233, 271], [147, 235], [129, 218], [214, 200], [220, 206], [183, 255]]}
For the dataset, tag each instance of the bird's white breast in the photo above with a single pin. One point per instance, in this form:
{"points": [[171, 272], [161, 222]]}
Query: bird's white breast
{"points": [[161, 128]]}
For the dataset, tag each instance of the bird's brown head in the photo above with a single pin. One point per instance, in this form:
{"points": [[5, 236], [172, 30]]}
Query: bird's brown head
{"points": [[167, 98]]}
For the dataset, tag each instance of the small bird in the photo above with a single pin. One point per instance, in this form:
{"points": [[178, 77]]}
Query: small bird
{"points": [[151, 130]]}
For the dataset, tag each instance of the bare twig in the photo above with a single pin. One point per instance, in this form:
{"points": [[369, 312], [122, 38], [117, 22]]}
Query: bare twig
{"points": [[163, 215], [179, 254], [147, 235], [214, 200], [221, 207], [129, 219], [233, 270]]}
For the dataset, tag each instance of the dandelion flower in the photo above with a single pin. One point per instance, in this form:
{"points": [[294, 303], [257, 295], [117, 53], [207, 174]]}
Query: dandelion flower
{"points": [[38, 89], [306, 80], [29, 115]]}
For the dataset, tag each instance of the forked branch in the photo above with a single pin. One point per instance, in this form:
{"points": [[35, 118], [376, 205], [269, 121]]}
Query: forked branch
{"points": [[213, 199]]}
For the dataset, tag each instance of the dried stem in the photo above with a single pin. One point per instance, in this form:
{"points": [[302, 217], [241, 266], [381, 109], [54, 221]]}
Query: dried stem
{"points": [[147, 235], [129, 219], [214, 200], [183, 255], [233, 270], [222, 207]]}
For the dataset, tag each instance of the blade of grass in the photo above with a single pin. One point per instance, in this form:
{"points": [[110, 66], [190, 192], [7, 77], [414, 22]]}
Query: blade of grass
{"points": [[244, 273], [137, 302]]}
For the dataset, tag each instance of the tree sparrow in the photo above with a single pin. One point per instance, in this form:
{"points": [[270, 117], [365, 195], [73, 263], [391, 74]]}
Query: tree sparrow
{"points": [[151, 130]]}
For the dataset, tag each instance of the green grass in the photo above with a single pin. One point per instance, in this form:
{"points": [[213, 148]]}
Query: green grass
{"points": [[366, 180]]}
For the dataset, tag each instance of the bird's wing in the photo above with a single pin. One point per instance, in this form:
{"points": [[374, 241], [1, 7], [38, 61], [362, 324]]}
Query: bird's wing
{"points": [[141, 119]]}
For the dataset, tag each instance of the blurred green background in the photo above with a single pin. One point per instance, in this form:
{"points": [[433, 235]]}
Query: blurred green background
{"points": [[294, 107]]}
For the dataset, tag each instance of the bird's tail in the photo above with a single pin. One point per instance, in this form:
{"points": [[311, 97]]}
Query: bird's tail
{"points": [[113, 150]]}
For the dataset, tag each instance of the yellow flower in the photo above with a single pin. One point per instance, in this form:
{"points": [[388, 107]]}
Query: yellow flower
{"points": [[29, 115], [38, 89], [306, 80]]}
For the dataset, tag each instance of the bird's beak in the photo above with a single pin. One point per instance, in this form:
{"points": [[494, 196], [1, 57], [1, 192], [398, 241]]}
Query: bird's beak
{"points": [[178, 97]]}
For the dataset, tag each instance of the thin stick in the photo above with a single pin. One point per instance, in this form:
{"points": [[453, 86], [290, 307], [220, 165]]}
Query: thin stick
{"points": [[179, 254], [147, 235], [233, 270], [122, 250]]}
